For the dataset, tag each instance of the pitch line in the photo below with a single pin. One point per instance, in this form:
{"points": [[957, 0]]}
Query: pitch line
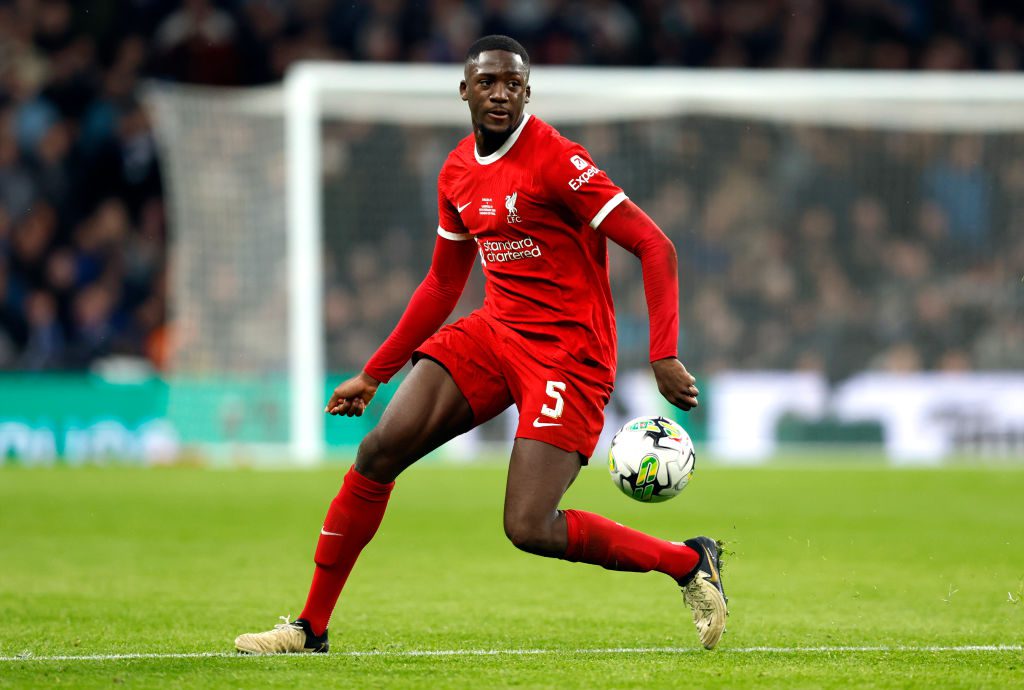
{"points": [[534, 652]]}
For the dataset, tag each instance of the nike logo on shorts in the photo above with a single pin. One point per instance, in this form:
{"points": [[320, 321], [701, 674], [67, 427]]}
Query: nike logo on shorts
{"points": [[537, 423], [463, 207]]}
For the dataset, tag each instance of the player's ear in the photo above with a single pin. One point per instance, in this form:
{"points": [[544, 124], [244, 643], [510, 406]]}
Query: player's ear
{"points": [[463, 90], [527, 93]]}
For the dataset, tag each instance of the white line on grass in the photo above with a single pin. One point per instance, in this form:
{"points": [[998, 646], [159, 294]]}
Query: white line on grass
{"points": [[538, 652]]}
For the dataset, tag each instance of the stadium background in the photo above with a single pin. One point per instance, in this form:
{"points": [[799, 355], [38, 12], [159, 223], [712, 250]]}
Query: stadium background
{"points": [[802, 250], [809, 254]]}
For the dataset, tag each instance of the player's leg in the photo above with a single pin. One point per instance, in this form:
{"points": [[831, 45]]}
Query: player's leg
{"points": [[428, 409], [540, 473]]}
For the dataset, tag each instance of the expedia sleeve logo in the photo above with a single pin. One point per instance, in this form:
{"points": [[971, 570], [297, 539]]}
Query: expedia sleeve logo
{"points": [[577, 182], [589, 170]]}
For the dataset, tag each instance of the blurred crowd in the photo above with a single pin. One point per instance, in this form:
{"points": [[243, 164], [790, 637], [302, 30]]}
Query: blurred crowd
{"points": [[810, 248], [786, 240]]}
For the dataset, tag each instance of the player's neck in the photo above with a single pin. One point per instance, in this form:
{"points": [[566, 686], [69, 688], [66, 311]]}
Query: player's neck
{"points": [[489, 142]]}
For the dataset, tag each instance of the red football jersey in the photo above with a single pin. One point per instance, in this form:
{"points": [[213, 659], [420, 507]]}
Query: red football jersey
{"points": [[533, 208]]}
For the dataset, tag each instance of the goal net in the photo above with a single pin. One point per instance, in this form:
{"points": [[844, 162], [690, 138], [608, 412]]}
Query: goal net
{"points": [[828, 225]]}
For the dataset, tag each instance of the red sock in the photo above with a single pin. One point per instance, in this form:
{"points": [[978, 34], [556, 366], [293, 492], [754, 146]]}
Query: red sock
{"points": [[598, 540], [351, 522]]}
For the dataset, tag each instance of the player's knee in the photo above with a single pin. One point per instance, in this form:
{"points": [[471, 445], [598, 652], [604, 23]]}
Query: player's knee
{"points": [[521, 536], [376, 460], [532, 536]]}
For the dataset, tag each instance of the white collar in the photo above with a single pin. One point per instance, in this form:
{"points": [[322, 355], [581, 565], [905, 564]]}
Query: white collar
{"points": [[509, 143]]}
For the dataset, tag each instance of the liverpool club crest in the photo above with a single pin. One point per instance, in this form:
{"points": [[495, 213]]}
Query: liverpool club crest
{"points": [[510, 204]]}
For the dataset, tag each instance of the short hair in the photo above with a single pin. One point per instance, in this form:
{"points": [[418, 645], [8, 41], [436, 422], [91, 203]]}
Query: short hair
{"points": [[497, 42]]}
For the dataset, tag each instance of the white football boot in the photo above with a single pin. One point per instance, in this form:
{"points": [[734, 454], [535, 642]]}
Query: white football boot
{"points": [[285, 638]]}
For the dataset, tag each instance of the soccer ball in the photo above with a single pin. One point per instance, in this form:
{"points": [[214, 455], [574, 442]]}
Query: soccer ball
{"points": [[651, 459]]}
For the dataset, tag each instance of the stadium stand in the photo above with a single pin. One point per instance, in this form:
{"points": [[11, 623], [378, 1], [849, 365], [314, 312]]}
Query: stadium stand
{"points": [[818, 284]]}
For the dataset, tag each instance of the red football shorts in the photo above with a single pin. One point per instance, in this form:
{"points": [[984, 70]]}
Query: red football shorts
{"points": [[560, 400]]}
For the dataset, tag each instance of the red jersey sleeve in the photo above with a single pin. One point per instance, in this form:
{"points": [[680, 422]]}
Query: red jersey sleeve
{"points": [[449, 222], [632, 229], [580, 185]]}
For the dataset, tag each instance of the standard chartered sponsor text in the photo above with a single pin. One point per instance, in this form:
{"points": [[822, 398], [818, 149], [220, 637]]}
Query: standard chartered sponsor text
{"points": [[497, 251]]}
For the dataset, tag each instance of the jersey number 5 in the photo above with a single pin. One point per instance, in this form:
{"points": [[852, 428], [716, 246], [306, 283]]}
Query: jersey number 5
{"points": [[553, 391]]}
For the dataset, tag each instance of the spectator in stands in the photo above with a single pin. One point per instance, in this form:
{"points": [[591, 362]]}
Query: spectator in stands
{"points": [[960, 186], [198, 43], [12, 326], [45, 342], [17, 188]]}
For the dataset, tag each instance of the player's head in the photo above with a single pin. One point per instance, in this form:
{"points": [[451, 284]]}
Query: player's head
{"points": [[498, 42], [496, 84]]}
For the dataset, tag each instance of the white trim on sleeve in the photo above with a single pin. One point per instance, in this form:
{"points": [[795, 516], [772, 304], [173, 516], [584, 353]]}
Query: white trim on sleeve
{"points": [[608, 208], [456, 236]]}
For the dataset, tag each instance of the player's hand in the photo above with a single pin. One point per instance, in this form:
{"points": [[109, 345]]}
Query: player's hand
{"points": [[676, 383], [351, 397]]}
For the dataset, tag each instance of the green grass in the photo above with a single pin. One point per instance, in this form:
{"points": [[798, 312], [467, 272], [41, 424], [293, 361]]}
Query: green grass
{"points": [[118, 561]]}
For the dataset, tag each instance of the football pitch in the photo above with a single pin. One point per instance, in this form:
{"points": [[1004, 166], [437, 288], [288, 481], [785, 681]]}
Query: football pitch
{"points": [[848, 576]]}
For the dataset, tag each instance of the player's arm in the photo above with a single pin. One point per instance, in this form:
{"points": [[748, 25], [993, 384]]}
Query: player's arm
{"points": [[629, 227], [431, 303]]}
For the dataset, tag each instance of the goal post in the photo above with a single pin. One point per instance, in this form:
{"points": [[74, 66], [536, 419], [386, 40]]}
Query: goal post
{"points": [[425, 96], [305, 282]]}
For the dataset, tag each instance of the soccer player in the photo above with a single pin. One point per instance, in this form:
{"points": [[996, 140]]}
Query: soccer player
{"points": [[537, 211]]}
